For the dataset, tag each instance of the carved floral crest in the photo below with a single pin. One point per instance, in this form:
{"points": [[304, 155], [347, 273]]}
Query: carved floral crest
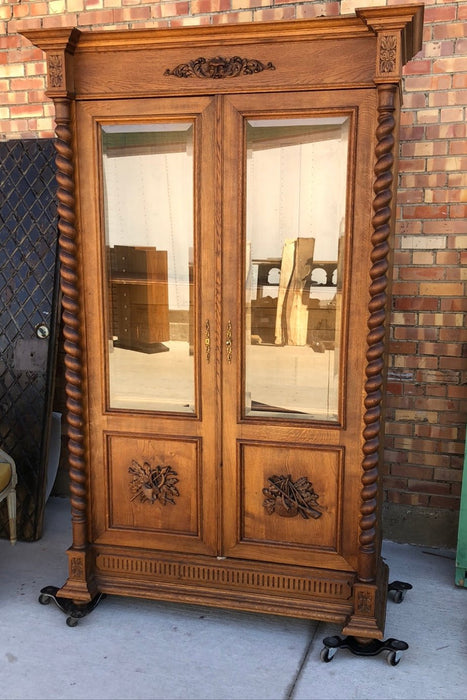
{"points": [[219, 67]]}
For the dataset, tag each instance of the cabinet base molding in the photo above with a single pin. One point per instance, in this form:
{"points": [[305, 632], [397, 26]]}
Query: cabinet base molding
{"points": [[283, 590], [319, 594], [241, 575]]}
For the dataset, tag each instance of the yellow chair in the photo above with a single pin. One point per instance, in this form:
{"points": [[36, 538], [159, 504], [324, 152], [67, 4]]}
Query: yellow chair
{"points": [[8, 481]]}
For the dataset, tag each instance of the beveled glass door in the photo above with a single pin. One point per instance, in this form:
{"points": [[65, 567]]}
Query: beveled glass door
{"points": [[150, 301], [288, 245]]}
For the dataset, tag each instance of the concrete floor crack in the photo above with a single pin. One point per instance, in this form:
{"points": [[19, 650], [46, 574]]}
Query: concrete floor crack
{"points": [[289, 695]]}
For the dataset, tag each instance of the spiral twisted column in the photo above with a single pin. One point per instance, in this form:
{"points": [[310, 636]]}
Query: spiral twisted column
{"points": [[69, 283], [384, 153]]}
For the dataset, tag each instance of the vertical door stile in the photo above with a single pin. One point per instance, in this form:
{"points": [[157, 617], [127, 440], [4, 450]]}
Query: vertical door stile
{"points": [[232, 237], [216, 330]]}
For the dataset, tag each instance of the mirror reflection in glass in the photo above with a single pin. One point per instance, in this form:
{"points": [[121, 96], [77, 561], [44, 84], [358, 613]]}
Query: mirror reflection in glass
{"points": [[148, 214], [296, 211]]}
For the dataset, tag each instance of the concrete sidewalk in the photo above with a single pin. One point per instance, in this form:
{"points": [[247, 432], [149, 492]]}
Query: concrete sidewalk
{"points": [[136, 649]]}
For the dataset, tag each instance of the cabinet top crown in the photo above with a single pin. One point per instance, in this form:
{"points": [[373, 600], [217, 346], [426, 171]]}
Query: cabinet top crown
{"points": [[381, 32], [374, 19]]}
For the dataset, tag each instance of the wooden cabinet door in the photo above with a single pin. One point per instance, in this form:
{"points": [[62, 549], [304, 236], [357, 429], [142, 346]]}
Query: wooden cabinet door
{"points": [[294, 319], [147, 245]]}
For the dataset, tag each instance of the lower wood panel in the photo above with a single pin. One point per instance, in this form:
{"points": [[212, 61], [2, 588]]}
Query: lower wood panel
{"points": [[139, 470], [153, 494], [275, 481]]}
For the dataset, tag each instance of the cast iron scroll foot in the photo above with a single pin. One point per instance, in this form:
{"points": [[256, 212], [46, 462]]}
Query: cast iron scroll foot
{"points": [[373, 647], [398, 590], [74, 611]]}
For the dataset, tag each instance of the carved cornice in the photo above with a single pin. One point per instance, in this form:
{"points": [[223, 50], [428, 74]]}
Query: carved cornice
{"points": [[60, 46], [403, 21]]}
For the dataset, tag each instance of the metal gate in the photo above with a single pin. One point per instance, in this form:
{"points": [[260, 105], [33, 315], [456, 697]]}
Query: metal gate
{"points": [[28, 320]]}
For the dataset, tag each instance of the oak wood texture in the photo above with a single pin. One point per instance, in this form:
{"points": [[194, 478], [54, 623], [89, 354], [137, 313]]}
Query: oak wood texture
{"points": [[218, 540]]}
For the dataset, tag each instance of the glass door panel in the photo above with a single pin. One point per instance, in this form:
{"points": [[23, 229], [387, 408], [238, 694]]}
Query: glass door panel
{"points": [[296, 183], [148, 215]]}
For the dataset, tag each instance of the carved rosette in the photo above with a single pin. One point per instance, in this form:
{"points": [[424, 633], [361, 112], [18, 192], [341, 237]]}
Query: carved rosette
{"points": [[365, 602], [388, 53], [289, 498], [55, 70], [219, 67], [150, 484], [382, 187], [77, 567]]}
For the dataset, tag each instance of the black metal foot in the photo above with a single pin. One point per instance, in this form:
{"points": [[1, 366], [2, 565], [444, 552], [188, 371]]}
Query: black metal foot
{"points": [[371, 648], [74, 611], [399, 589]]}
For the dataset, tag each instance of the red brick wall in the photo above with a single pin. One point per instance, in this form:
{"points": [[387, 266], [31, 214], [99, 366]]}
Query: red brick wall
{"points": [[427, 402], [426, 398]]}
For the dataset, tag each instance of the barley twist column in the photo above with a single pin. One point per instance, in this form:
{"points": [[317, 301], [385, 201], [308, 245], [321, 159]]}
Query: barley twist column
{"points": [[69, 283], [382, 187]]}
